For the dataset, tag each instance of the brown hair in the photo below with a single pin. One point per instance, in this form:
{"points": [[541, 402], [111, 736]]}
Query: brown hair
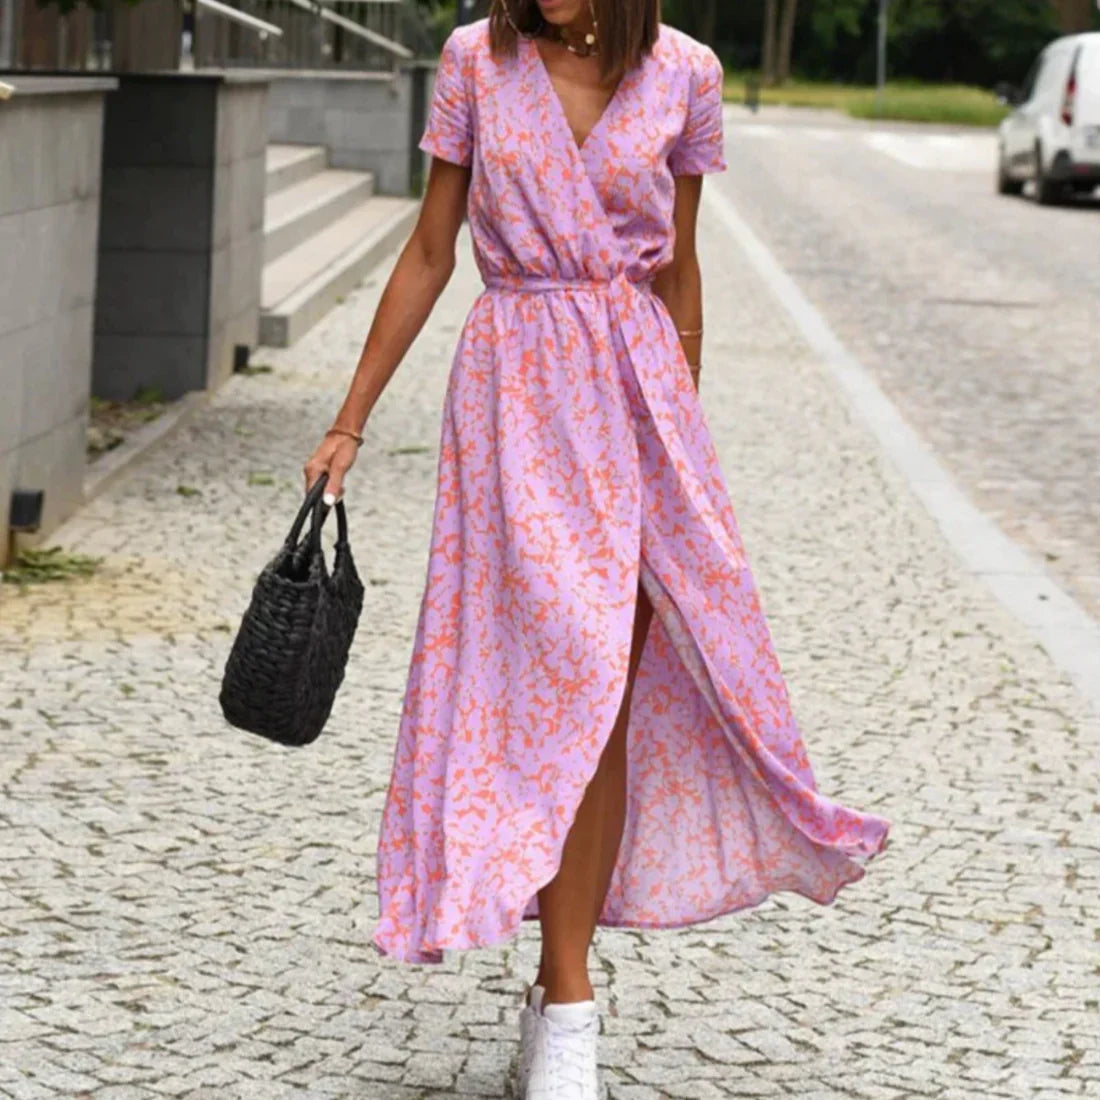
{"points": [[627, 28]]}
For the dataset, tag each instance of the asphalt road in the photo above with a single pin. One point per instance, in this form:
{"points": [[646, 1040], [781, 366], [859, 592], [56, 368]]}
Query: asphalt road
{"points": [[978, 315]]}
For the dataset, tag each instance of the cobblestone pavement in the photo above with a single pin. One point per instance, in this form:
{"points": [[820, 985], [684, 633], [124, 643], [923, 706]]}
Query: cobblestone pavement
{"points": [[976, 312], [185, 910]]}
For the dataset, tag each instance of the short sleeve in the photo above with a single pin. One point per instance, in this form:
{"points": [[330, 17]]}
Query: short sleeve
{"points": [[701, 146], [448, 132]]}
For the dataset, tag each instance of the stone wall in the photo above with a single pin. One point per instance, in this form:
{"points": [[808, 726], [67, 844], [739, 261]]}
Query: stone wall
{"points": [[50, 142], [181, 241], [237, 256], [365, 120]]}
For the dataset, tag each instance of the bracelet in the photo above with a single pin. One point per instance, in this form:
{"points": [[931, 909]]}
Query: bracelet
{"points": [[348, 432], [690, 332]]}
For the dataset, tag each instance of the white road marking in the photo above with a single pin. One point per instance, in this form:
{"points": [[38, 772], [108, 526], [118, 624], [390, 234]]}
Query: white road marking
{"points": [[1062, 627], [938, 152], [758, 129], [934, 152], [764, 130]]}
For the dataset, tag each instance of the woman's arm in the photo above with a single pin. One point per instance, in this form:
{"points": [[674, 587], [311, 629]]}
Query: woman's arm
{"points": [[418, 278], [679, 284]]}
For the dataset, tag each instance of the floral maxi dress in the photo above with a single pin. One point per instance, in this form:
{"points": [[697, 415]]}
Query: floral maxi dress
{"points": [[575, 464]]}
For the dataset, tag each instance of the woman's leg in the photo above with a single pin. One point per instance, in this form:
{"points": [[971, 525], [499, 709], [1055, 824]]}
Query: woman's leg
{"points": [[570, 904]]}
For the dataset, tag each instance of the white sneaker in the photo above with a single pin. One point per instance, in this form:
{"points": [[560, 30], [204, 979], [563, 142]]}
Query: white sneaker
{"points": [[528, 1021], [563, 1063]]}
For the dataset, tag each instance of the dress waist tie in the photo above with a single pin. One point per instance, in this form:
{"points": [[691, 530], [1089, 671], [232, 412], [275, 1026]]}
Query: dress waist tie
{"points": [[538, 283]]}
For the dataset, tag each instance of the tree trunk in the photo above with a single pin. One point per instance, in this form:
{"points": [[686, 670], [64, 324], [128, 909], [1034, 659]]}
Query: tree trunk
{"points": [[1074, 16], [786, 42], [767, 61]]}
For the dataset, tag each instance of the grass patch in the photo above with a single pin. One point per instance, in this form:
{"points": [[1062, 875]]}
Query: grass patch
{"points": [[37, 565], [952, 104], [110, 421], [906, 101]]}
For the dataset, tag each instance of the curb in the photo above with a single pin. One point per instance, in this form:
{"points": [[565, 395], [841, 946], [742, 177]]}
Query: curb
{"points": [[1020, 582], [107, 470]]}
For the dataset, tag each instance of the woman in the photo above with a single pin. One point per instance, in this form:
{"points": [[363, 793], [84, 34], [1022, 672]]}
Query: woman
{"points": [[596, 730]]}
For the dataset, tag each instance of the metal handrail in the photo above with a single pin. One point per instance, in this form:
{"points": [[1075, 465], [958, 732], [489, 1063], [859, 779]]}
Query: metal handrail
{"points": [[354, 28], [373, 37], [246, 20], [342, 35]]}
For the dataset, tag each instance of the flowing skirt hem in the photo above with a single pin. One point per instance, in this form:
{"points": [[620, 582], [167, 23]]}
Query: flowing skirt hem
{"points": [[855, 870]]}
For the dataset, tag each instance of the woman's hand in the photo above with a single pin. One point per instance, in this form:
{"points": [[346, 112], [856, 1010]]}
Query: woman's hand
{"points": [[335, 456]]}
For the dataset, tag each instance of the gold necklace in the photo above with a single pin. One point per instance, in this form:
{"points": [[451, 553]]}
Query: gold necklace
{"points": [[591, 43], [558, 34]]}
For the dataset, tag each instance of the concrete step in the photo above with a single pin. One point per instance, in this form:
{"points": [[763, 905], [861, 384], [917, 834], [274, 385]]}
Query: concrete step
{"points": [[307, 207], [303, 284], [288, 164]]}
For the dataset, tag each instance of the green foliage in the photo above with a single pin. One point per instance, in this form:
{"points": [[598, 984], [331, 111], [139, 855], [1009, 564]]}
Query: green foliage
{"points": [[977, 40], [967, 41], [947, 104], [53, 563], [910, 101], [440, 15], [833, 21], [148, 395]]}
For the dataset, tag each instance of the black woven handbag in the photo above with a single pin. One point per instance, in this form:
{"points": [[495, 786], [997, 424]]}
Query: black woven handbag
{"points": [[288, 658]]}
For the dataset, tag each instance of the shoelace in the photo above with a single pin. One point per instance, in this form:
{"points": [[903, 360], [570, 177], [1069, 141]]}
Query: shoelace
{"points": [[569, 1051]]}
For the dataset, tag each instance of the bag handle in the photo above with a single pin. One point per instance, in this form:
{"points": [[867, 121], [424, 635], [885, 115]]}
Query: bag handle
{"points": [[314, 506]]}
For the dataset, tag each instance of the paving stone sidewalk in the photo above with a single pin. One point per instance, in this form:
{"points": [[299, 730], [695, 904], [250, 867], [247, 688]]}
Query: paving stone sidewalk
{"points": [[185, 911]]}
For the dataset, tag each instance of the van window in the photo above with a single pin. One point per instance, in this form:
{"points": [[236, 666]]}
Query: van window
{"points": [[1027, 89], [1052, 78]]}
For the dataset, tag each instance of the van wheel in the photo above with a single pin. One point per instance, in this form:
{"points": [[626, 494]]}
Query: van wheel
{"points": [[1006, 185], [1048, 192]]}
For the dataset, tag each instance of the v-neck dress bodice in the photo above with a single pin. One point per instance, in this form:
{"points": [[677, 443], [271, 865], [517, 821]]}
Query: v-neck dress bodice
{"points": [[575, 467], [539, 204]]}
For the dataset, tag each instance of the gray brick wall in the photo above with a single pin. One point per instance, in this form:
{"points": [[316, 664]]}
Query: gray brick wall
{"points": [[363, 119], [50, 142], [181, 249]]}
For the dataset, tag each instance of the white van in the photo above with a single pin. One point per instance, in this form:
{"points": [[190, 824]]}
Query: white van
{"points": [[1053, 135]]}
